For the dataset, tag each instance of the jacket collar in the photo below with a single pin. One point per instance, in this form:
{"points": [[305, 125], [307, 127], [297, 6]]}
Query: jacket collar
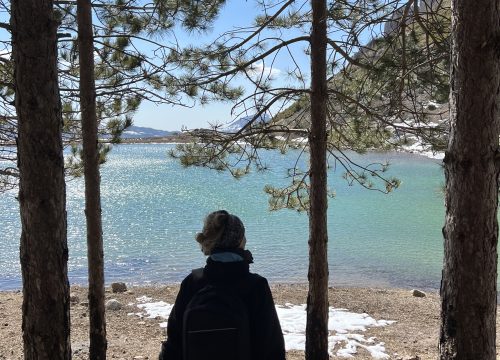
{"points": [[226, 272], [234, 254]]}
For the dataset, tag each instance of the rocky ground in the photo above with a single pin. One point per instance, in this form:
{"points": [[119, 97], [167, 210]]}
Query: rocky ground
{"points": [[413, 336]]}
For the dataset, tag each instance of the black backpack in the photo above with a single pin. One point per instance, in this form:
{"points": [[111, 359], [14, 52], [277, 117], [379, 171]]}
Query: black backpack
{"points": [[216, 324]]}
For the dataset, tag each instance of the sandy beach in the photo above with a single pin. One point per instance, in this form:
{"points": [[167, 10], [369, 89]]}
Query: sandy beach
{"points": [[414, 335]]}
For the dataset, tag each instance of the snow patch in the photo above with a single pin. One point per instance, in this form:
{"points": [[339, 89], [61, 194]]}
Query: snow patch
{"points": [[158, 309], [344, 327], [419, 148], [144, 299], [239, 123]]}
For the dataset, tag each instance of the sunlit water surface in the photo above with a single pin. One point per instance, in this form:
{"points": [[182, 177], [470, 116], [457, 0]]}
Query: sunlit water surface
{"points": [[152, 208]]}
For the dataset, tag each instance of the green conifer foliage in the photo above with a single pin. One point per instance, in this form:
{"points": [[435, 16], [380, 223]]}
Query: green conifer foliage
{"points": [[385, 90], [131, 43]]}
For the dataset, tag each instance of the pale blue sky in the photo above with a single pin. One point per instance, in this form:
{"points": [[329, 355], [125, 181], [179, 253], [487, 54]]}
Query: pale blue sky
{"points": [[236, 13]]}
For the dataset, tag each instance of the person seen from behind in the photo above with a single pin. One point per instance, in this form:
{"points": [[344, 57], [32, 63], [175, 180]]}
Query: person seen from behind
{"points": [[223, 311]]}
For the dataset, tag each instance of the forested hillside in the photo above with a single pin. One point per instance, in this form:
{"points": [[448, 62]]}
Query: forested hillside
{"points": [[394, 91]]}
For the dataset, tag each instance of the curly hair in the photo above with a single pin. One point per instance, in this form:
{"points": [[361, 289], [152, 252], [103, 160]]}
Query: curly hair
{"points": [[221, 230]]}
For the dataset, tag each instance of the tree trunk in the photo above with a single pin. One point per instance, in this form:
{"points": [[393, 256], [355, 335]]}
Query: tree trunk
{"points": [[468, 287], [98, 343], [317, 298], [42, 191]]}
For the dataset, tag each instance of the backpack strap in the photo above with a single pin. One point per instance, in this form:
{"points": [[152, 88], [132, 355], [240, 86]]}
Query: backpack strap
{"points": [[199, 281], [197, 274]]}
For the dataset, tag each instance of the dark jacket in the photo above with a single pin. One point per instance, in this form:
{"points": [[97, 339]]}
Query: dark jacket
{"points": [[265, 331]]}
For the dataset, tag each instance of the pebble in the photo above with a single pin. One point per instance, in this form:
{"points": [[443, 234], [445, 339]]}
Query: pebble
{"points": [[417, 293], [113, 304], [118, 287], [73, 298]]}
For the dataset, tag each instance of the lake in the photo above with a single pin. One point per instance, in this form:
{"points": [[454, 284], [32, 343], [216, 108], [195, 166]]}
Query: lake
{"points": [[153, 207]]}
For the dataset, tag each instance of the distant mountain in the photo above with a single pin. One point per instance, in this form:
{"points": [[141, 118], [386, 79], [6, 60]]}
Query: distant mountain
{"points": [[133, 132], [237, 124]]}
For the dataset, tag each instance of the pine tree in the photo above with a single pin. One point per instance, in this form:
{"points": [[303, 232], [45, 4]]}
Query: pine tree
{"points": [[42, 197], [95, 248], [469, 284], [317, 296]]}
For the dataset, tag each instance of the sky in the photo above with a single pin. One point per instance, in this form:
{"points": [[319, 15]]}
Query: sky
{"points": [[236, 13]]}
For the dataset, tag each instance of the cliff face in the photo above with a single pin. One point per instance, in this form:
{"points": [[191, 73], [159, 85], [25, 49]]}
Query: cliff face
{"points": [[425, 7]]}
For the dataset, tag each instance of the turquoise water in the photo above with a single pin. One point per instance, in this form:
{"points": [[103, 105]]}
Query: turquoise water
{"points": [[152, 208]]}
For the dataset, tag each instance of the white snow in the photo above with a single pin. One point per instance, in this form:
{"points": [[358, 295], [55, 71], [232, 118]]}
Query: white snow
{"points": [[433, 104], [156, 309], [344, 326], [300, 140], [419, 148], [144, 299]]}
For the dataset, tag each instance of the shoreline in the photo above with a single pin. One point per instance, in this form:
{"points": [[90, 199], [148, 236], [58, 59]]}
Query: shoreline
{"points": [[414, 149], [414, 332], [299, 284]]}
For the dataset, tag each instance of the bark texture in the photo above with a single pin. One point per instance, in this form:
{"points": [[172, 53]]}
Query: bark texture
{"points": [[317, 299], [95, 253], [468, 287], [42, 197]]}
